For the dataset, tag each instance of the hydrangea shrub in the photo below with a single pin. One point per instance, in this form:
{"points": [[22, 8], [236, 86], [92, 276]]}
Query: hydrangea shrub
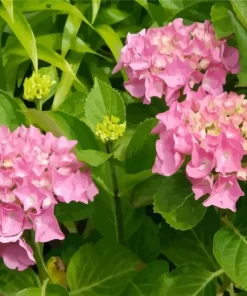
{"points": [[123, 148]]}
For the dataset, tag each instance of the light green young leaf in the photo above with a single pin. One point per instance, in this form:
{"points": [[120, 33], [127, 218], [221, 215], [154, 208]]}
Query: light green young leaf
{"points": [[23, 32], [40, 5], [144, 282], [102, 101], [95, 9], [193, 246], [45, 54], [145, 242], [71, 29], [111, 39], [140, 153], [188, 281], [102, 269], [93, 157], [67, 80], [240, 8], [175, 201], [63, 124], [241, 36], [8, 4], [221, 19], [53, 41]]}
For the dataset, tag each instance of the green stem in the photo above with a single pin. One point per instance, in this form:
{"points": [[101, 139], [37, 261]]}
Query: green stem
{"points": [[119, 213], [231, 290], [38, 255], [43, 289], [39, 104]]}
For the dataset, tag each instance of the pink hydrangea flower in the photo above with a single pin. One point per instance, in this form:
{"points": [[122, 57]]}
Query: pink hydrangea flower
{"points": [[37, 171], [211, 133], [170, 59]]}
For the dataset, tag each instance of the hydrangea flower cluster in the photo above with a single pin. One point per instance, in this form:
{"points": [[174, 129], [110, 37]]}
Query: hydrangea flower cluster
{"points": [[37, 86], [174, 59], [110, 129], [37, 171], [213, 131]]}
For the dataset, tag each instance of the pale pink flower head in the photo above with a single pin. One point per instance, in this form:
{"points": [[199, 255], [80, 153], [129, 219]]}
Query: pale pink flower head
{"points": [[17, 255], [225, 193], [166, 61], [210, 133], [37, 171]]}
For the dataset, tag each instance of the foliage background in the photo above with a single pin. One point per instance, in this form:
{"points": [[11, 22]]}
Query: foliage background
{"points": [[144, 234]]}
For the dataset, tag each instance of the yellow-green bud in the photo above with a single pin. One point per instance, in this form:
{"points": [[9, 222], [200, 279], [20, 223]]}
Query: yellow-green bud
{"points": [[110, 129], [37, 86]]}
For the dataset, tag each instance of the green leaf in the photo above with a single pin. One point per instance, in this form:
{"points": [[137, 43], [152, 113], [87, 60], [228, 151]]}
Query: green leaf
{"points": [[3, 85], [188, 281], [144, 192], [63, 124], [110, 16], [104, 217], [74, 104], [193, 10], [8, 4], [11, 70], [145, 242], [74, 211], [156, 12], [51, 290], [102, 101], [111, 39], [143, 283], [126, 182], [221, 19], [13, 281], [40, 5], [67, 80], [140, 153], [132, 218], [102, 175], [101, 269], [70, 31], [175, 201], [240, 8], [23, 32], [241, 36], [10, 114], [45, 54], [230, 248], [95, 9], [93, 157], [193, 246]]}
